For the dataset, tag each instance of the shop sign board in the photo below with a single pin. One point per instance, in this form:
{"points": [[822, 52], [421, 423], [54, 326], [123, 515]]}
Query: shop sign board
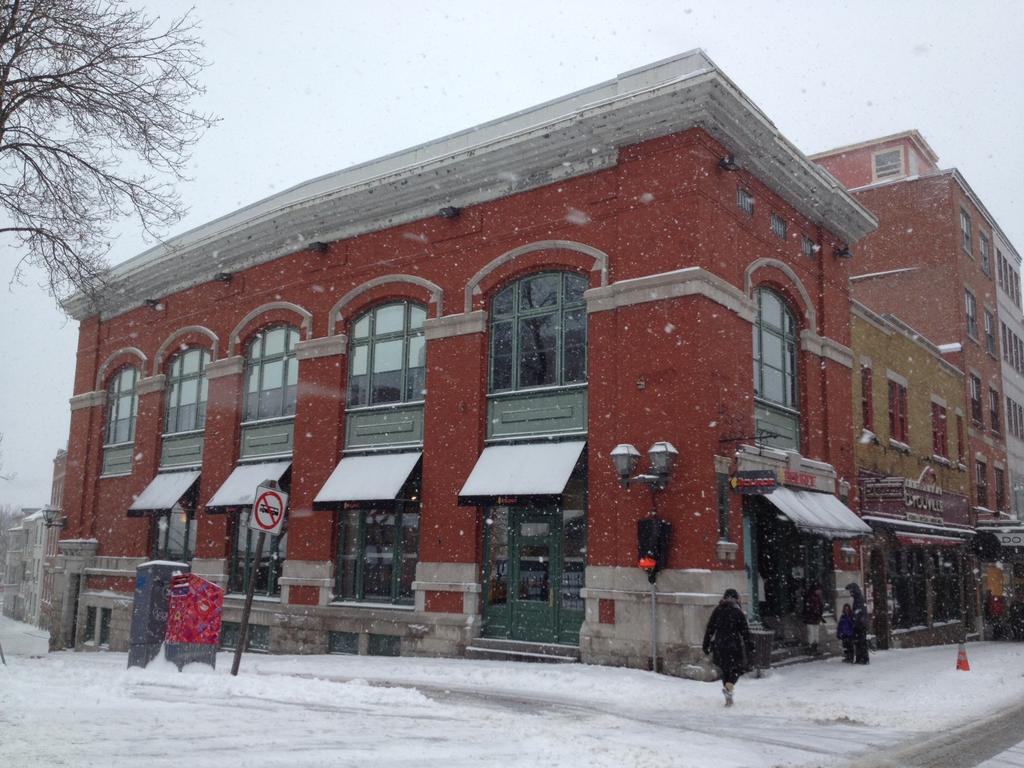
{"points": [[914, 500], [754, 481]]}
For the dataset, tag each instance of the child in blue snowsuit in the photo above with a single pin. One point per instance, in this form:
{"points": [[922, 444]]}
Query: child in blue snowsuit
{"points": [[845, 631]]}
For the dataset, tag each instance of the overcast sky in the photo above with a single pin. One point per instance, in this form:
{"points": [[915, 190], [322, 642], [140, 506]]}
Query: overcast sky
{"points": [[306, 88]]}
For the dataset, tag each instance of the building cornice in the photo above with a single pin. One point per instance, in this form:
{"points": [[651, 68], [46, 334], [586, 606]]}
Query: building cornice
{"points": [[568, 137]]}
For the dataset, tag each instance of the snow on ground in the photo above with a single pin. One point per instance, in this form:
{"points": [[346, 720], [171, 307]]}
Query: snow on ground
{"points": [[86, 709]]}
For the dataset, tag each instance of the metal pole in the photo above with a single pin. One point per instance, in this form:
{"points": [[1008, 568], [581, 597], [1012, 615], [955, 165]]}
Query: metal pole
{"points": [[243, 630], [2, 655], [654, 627]]}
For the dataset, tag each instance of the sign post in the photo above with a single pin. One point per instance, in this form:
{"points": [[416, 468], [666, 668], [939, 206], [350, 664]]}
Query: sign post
{"points": [[267, 517]]}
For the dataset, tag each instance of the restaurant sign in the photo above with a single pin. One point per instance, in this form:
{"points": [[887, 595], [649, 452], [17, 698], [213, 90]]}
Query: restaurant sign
{"points": [[912, 500]]}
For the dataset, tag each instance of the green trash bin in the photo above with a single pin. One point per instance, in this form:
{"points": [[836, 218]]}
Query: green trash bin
{"points": [[762, 657]]}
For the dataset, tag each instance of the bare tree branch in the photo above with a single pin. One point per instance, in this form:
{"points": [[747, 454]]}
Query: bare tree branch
{"points": [[95, 125]]}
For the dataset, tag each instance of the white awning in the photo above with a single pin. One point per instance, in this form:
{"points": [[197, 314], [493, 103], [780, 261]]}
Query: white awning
{"points": [[525, 469], [163, 492], [820, 513], [376, 477], [239, 490]]}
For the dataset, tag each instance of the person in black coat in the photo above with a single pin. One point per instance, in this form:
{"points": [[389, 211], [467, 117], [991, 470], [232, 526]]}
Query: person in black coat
{"points": [[727, 639], [860, 624]]}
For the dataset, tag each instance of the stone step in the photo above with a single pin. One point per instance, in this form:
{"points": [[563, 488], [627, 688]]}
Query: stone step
{"points": [[497, 649]]}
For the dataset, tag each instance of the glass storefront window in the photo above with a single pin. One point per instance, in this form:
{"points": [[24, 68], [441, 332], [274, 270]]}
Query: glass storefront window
{"points": [[378, 549], [267, 571], [174, 535]]}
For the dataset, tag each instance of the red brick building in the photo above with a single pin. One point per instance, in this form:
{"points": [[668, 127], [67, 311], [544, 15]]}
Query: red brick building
{"points": [[436, 352], [935, 242]]}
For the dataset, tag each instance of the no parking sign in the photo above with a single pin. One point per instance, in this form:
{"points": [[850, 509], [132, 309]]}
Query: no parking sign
{"points": [[268, 510]]}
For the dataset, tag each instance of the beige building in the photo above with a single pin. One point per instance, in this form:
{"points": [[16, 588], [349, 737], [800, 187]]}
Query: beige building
{"points": [[913, 484]]}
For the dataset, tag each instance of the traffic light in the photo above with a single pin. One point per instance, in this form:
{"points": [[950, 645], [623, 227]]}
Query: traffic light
{"points": [[652, 545]]}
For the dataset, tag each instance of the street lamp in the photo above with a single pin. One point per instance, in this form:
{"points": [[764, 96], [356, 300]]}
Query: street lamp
{"points": [[52, 518], [662, 457]]}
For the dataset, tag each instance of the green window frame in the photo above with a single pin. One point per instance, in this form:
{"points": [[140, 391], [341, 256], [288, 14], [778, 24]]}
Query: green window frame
{"points": [[243, 555], [186, 392], [388, 355], [122, 406], [377, 553], [173, 535], [776, 380], [539, 333], [271, 374]]}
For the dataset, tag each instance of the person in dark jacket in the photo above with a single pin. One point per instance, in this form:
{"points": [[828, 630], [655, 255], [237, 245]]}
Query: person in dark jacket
{"points": [[727, 639], [845, 632], [860, 624], [814, 615]]}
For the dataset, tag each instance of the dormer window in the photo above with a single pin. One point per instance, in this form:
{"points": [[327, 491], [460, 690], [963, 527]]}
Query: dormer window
{"points": [[888, 163]]}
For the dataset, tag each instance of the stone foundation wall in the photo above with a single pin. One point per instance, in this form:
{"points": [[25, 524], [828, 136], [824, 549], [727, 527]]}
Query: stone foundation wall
{"points": [[617, 627]]}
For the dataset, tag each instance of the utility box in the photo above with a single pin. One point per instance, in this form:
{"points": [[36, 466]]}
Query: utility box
{"points": [[150, 608]]}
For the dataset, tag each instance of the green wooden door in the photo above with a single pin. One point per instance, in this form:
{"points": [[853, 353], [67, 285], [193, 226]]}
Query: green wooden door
{"points": [[535, 572]]}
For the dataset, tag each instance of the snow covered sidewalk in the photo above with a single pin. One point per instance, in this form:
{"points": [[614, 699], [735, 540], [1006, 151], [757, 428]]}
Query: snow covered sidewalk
{"points": [[18, 639], [298, 711]]}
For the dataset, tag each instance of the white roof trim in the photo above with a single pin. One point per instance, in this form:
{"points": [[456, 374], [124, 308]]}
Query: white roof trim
{"points": [[545, 143]]}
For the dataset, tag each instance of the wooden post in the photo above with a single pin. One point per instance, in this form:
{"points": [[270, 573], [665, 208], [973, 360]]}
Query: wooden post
{"points": [[243, 630]]}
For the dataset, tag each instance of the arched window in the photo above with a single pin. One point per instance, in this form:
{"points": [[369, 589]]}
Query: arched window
{"points": [[271, 374], [387, 355], [776, 384], [186, 391], [122, 406], [539, 332]]}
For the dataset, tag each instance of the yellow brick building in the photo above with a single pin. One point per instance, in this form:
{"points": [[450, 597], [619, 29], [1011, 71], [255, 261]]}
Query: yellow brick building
{"points": [[913, 487]]}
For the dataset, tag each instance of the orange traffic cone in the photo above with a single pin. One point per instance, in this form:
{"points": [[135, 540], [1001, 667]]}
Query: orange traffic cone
{"points": [[961, 659]]}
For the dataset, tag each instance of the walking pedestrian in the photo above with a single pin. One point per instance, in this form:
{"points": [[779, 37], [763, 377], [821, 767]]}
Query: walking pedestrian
{"points": [[814, 615], [727, 639], [860, 624], [845, 632]]}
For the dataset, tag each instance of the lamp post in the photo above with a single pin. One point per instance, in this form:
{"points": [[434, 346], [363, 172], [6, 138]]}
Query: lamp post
{"points": [[662, 457], [52, 518], [652, 533]]}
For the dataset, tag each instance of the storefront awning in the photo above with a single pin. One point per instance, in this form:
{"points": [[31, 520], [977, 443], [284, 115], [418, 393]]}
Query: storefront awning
{"points": [[163, 492], [239, 490], [820, 513], [523, 472], [920, 534], [922, 540], [377, 477]]}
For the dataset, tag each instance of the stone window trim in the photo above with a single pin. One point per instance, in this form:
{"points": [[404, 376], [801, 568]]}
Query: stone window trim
{"points": [[891, 375], [191, 335], [802, 297], [348, 307], [277, 314], [116, 360], [490, 275]]}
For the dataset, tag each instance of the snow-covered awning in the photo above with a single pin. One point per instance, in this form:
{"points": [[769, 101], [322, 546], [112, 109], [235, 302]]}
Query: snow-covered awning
{"points": [[239, 490], [376, 477], [524, 472], [163, 492], [820, 513], [960, 533]]}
